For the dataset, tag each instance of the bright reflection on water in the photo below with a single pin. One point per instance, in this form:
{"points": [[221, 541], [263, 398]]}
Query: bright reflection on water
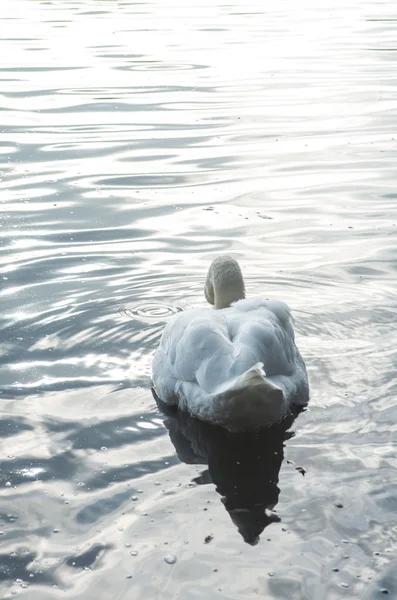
{"points": [[138, 140]]}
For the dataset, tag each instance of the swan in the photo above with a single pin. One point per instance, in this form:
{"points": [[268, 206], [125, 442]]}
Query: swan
{"points": [[235, 365]]}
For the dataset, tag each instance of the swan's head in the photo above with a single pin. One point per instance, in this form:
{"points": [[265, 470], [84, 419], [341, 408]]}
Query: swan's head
{"points": [[224, 283]]}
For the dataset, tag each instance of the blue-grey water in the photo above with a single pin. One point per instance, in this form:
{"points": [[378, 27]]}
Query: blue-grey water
{"points": [[139, 140]]}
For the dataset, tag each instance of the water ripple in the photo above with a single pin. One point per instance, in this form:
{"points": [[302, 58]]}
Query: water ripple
{"points": [[150, 312]]}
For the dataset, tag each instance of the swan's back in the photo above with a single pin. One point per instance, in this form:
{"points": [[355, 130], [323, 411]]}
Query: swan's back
{"points": [[211, 348]]}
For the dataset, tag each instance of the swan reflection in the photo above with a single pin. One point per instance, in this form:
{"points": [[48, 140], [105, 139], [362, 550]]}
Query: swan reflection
{"points": [[244, 467]]}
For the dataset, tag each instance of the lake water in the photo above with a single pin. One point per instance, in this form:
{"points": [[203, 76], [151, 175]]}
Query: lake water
{"points": [[138, 141]]}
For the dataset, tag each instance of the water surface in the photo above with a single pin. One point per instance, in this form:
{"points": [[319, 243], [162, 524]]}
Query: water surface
{"points": [[138, 141]]}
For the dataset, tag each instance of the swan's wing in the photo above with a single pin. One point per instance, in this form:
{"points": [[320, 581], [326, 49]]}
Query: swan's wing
{"points": [[195, 347], [263, 332]]}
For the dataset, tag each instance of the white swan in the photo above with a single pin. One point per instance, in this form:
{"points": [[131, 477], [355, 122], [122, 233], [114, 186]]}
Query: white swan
{"points": [[236, 366]]}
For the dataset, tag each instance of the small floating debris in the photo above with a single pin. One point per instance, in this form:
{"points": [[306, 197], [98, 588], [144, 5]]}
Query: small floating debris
{"points": [[208, 539], [300, 470], [170, 559], [338, 504]]}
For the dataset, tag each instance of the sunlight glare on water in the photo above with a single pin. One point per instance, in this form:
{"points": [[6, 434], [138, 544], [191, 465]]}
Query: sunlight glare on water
{"points": [[138, 141]]}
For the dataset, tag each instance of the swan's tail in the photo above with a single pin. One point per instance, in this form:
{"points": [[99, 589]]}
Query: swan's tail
{"points": [[249, 402]]}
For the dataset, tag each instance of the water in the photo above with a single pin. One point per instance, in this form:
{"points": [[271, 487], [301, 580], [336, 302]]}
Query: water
{"points": [[139, 140]]}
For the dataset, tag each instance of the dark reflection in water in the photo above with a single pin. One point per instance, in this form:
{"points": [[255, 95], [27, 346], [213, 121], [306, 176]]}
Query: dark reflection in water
{"points": [[244, 467]]}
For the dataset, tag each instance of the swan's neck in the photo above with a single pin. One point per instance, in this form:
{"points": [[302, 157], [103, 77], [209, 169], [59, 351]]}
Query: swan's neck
{"points": [[224, 283]]}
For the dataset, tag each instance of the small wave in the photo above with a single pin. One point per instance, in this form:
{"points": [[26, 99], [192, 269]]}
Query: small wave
{"points": [[150, 312]]}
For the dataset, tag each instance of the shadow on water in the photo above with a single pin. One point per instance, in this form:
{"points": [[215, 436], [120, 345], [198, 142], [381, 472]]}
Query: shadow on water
{"points": [[244, 467]]}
